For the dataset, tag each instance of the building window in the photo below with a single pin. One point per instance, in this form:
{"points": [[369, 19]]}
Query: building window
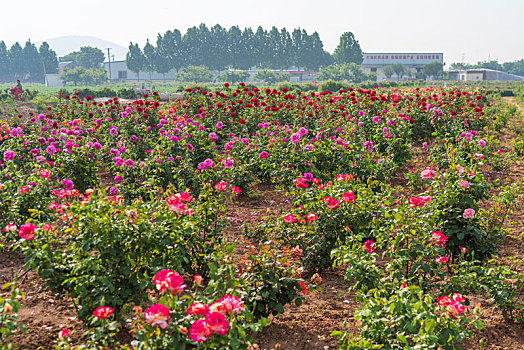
{"points": [[122, 75], [373, 70]]}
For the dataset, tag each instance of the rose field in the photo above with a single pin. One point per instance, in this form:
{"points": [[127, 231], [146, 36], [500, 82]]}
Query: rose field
{"points": [[257, 218]]}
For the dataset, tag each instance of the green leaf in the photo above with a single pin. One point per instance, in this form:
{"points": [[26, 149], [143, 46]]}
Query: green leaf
{"points": [[402, 338]]}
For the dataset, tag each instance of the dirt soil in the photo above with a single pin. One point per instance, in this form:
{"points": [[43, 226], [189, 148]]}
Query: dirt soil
{"points": [[306, 327]]}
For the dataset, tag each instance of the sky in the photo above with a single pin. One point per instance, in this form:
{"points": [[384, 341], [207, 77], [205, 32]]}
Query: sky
{"points": [[464, 30]]}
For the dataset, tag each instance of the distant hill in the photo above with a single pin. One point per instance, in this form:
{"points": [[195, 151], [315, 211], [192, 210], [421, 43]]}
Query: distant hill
{"points": [[66, 44]]}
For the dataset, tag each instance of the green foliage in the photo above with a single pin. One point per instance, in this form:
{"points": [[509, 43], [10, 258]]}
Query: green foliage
{"points": [[88, 57], [84, 76], [348, 50], [195, 74], [9, 309], [433, 70], [104, 261], [270, 275], [399, 69], [233, 76], [49, 58], [393, 317], [135, 59], [350, 72]]}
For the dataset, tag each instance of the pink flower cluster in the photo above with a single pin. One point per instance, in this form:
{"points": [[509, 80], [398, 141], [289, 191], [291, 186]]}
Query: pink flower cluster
{"points": [[177, 202], [452, 305], [215, 317], [27, 231], [438, 239], [157, 315], [167, 280], [418, 201], [427, 174], [468, 214]]}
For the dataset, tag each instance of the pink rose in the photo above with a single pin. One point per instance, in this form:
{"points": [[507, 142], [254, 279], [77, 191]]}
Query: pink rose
{"points": [[64, 333], [103, 312], [333, 203], [464, 184], [27, 231], [198, 309], [438, 238], [157, 314], [290, 218], [369, 246], [169, 280], [217, 323], [348, 197], [441, 260], [200, 331], [227, 305], [427, 174], [469, 213]]}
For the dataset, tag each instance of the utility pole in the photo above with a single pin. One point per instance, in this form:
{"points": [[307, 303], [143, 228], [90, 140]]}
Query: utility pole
{"points": [[109, 62]]}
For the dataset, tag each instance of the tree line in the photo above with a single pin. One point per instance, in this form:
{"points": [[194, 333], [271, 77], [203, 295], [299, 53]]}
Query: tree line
{"points": [[27, 63], [218, 48]]}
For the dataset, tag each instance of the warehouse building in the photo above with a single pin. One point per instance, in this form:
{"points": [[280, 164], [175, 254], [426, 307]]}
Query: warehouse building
{"points": [[413, 62], [481, 74]]}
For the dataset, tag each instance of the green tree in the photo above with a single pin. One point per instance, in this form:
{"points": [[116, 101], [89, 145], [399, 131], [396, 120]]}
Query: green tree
{"points": [[72, 76], [516, 67], [4, 63], [283, 76], [493, 64], [388, 71], [84, 76], [348, 50], [161, 57], [33, 66], [197, 45], [317, 57], [262, 48], [460, 66], [267, 76], [196, 74], [233, 76], [236, 49], [88, 57], [94, 76], [246, 48], [49, 59], [336, 72], [399, 69], [173, 47], [356, 75], [433, 70], [219, 49], [149, 54], [135, 59], [16, 61]]}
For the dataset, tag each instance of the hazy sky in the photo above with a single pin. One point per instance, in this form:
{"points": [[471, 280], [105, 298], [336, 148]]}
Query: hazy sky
{"points": [[476, 30]]}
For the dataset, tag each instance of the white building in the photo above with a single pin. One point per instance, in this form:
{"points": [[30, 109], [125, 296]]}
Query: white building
{"points": [[414, 62], [120, 72], [481, 74]]}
